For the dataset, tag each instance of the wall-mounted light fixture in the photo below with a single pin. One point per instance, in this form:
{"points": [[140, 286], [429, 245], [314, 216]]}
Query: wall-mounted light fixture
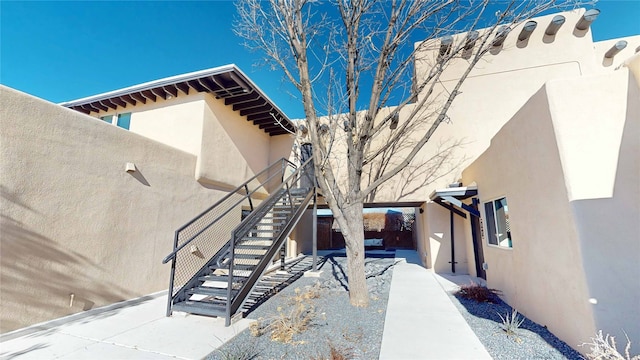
{"points": [[587, 18], [616, 48], [527, 30], [130, 167], [555, 25]]}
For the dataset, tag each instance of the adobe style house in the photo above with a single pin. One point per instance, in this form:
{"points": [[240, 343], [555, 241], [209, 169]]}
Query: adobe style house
{"points": [[545, 206], [91, 197]]}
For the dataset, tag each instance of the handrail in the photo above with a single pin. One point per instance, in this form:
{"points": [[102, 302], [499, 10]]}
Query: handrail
{"points": [[241, 230], [175, 251], [234, 191], [275, 191]]}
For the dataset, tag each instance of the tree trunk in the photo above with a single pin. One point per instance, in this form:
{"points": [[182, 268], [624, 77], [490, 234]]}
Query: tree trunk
{"points": [[358, 292]]}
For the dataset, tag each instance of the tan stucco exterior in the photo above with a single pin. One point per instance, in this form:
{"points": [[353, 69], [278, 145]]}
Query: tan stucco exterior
{"points": [[573, 192], [74, 221], [228, 148]]}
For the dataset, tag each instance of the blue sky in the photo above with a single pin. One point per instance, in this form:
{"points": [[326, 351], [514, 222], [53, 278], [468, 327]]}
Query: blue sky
{"points": [[62, 51]]}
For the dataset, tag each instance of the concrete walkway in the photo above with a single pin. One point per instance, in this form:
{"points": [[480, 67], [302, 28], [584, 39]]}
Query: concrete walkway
{"points": [[131, 330], [421, 321]]}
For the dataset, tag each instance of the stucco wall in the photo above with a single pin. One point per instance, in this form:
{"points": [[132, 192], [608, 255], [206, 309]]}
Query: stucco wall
{"points": [[505, 79], [561, 166], [73, 221], [600, 146], [233, 149]]}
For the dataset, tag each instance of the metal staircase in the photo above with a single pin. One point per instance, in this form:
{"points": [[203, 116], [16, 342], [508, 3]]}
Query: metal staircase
{"points": [[214, 277]]}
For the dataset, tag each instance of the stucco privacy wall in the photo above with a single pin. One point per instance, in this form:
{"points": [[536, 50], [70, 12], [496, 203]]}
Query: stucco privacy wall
{"points": [[568, 252], [73, 221], [542, 275], [601, 143]]}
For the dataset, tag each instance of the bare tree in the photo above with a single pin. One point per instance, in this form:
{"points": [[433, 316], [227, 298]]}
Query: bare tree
{"points": [[351, 60]]}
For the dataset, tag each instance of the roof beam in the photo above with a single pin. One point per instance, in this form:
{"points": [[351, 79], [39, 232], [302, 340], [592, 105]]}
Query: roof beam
{"points": [[109, 103], [242, 98], [118, 101], [160, 92], [171, 90], [256, 110], [90, 108], [81, 109], [196, 85], [99, 105], [255, 117], [139, 97], [209, 85], [249, 104], [149, 95], [128, 99], [184, 87]]}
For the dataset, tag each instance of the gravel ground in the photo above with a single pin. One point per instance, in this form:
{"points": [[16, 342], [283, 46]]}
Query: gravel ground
{"points": [[532, 341], [354, 331], [357, 332]]}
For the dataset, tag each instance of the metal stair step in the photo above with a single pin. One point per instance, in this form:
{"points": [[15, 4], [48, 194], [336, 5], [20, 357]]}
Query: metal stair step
{"points": [[253, 247], [236, 267], [258, 238], [248, 256], [209, 291], [222, 278], [200, 308]]}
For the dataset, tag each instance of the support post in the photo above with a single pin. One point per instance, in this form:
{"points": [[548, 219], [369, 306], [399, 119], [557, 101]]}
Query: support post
{"points": [[315, 230], [453, 249]]}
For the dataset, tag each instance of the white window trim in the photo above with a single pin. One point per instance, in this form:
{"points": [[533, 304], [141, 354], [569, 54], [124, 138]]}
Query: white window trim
{"points": [[484, 222]]}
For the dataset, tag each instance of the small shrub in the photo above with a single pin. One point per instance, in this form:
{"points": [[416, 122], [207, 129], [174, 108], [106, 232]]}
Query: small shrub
{"points": [[285, 324], [478, 293], [511, 323], [605, 348]]}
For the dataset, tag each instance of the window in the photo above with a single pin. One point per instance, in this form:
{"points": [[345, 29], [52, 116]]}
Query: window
{"points": [[124, 120], [497, 220], [107, 118]]}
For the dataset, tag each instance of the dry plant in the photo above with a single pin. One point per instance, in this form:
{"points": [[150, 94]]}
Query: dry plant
{"points": [[311, 292], [605, 348], [478, 293], [286, 323]]}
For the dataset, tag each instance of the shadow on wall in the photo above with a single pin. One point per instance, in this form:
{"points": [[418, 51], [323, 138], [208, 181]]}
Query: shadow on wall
{"points": [[609, 238], [38, 276]]}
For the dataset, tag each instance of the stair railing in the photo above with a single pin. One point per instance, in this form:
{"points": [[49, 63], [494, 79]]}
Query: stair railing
{"points": [[207, 234], [294, 181]]}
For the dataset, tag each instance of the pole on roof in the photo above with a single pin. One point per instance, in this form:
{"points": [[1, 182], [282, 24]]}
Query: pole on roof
{"points": [[315, 230]]}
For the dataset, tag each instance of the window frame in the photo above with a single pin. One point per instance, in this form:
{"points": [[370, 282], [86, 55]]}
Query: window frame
{"points": [[486, 228]]}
